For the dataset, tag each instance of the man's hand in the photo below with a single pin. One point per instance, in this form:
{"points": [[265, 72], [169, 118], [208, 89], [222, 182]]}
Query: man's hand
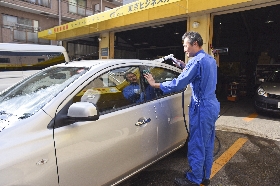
{"points": [[180, 64], [151, 80]]}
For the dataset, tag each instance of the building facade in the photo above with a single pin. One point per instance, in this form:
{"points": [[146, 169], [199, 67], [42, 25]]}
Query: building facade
{"points": [[21, 20]]}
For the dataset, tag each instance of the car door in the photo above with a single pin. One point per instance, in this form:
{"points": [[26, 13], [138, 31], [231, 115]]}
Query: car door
{"points": [[121, 140], [172, 128]]}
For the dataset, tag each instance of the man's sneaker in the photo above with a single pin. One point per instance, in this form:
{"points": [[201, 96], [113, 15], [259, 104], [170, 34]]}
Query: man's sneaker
{"points": [[205, 182], [184, 182]]}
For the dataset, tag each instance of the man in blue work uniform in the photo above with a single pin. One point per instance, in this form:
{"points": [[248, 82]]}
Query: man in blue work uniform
{"points": [[133, 91], [201, 73]]}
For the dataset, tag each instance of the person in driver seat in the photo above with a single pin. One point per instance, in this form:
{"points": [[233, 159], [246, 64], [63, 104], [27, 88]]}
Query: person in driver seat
{"points": [[133, 91]]}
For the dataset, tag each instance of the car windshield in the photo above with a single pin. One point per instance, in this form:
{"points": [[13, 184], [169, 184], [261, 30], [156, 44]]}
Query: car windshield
{"points": [[27, 97], [275, 77]]}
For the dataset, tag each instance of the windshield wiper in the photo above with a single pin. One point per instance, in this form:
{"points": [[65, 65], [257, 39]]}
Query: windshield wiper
{"points": [[2, 112], [25, 115]]}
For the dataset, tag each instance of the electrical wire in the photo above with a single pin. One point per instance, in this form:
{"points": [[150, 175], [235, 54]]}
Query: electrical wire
{"points": [[184, 116], [187, 140]]}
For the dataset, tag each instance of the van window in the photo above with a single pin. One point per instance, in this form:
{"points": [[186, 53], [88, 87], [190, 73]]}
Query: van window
{"points": [[30, 56]]}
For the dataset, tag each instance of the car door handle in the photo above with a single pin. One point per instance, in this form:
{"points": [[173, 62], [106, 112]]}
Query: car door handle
{"points": [[142, 121]]}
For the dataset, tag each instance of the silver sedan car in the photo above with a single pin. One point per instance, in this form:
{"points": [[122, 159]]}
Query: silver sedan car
{"points": [[71, 124], [267, 97]]}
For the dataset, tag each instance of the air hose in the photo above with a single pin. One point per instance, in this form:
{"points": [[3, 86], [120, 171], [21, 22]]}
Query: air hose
{"points": [[188, 138]]}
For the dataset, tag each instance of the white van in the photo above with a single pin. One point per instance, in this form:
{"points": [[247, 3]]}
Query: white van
{"points": [[21, 60], [13, 56]]}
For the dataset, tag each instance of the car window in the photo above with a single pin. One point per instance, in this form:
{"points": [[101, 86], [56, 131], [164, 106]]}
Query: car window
{"points": [[122, 87], [28, 96], [112, 91], [275, 77], [160, 75]]}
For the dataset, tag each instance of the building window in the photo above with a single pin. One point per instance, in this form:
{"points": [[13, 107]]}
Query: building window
{"points": [[107, 8], [79, 7], [96, 8], [9, 21], [24, 23], [23, 29], [41, 60], [20, 23], [45, 3]]}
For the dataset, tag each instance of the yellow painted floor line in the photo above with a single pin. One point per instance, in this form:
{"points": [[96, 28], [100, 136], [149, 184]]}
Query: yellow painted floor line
{"points": [[250, 117], [227, 155]]}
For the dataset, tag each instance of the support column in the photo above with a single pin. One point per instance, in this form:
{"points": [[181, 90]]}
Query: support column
{"points": [[112, 45], [106, 45], [204, 26]]}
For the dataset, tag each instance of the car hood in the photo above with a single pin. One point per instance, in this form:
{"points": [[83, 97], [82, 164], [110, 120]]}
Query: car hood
{"points": [[4, 120], [7, 120], [271, 88]]}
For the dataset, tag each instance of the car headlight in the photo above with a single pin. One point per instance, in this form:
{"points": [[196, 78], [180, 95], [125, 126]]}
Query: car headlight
{"points": [[262, 92]]}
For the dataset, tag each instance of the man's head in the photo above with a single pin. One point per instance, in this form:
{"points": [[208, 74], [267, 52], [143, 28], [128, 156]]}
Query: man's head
{"points": [[130, 77], [192, 43]]}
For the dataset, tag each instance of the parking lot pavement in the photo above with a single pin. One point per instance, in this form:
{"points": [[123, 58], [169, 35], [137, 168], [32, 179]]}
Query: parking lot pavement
{"points": [[241, 117], [254, 162]]}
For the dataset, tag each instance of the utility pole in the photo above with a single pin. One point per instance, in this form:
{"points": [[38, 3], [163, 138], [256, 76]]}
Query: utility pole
{"points": [[59, 18], [59, 12]]}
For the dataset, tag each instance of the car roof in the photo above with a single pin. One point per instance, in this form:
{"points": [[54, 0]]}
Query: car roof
{"points": [[106, 62]]}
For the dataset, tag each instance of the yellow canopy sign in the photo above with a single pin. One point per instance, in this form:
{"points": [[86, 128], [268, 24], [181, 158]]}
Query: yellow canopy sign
{"points": [[97, 22], [109, 14], [113, 13]]}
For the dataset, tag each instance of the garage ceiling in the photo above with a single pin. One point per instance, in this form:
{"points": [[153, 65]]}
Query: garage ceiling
{"points": [[261, 20], [252, 22], [248, 33], [160, 35]]}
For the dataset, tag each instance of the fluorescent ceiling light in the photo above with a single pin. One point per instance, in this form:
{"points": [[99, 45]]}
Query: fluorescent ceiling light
{"points": [[269, 21]]}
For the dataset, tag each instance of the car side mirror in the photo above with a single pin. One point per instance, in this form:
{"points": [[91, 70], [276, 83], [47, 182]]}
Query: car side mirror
{"points": [[83, 111]]}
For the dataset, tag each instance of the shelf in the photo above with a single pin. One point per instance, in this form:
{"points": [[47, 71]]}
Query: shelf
{"points": [[233, 91]]}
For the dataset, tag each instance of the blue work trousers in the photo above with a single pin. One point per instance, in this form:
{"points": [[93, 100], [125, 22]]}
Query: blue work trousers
{"points": [[202, 136]]}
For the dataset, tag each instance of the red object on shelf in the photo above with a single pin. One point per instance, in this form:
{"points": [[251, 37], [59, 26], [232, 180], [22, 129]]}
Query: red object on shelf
{"points": [[230, 98]]}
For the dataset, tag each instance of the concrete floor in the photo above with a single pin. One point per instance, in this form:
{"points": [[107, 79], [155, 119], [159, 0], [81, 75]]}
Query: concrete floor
{"points": [[241, 117], [255, 163]]}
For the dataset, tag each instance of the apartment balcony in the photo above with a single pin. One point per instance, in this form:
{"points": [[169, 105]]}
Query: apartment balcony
{"points": [[21, 34], [70, 10], [44, 3]]}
